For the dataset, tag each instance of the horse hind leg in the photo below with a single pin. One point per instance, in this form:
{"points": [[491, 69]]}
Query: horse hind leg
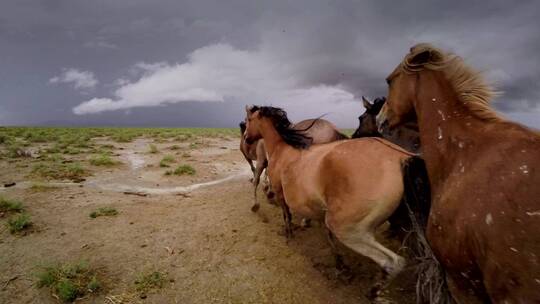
{"points": [[364, 242]]}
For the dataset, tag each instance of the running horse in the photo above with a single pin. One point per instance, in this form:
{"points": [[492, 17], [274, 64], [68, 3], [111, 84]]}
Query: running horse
{"points": [[484, 172], [353, 185], [319, 130]]}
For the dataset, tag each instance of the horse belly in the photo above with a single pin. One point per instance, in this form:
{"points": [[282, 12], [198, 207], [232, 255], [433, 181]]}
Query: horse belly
{"points": [[303, 200]]}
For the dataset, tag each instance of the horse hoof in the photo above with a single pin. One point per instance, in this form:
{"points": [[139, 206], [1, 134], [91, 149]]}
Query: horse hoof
{"points": [[255, 208]]}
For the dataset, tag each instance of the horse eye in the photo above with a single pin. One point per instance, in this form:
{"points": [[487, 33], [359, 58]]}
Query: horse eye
{"points": [[388, 81]]}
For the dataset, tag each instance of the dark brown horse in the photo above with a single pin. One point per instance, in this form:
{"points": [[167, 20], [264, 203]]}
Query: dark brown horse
{"points": [[319, 130], [405, 136], [484, 172]]}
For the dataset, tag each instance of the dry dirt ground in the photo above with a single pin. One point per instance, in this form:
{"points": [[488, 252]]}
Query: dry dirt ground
{"points": [[198, 230]]}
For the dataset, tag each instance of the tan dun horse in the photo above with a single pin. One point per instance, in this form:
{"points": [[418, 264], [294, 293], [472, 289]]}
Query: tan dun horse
{"points": [[484, 224], [353, 185], [321, 131]]}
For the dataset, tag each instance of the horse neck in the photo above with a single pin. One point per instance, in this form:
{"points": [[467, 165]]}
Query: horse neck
{"points": [[447, 127], [272, 140]]}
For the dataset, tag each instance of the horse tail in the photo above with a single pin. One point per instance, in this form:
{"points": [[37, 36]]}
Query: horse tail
{"points": [[417, 192], [431, 285]]}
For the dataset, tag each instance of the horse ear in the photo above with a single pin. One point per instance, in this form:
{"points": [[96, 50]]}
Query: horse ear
{"points": [[248, 109], [421, 58], [366, 102]]}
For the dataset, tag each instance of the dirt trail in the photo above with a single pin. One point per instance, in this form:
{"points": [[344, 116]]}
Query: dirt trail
{"points": [[212, 247]]}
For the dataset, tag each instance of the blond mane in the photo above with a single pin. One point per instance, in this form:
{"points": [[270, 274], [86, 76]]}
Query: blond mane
{"points": [[469, 85]]}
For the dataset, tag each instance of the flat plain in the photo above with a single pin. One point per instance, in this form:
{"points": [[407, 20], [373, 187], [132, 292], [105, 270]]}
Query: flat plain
{"points": [[162, 215]]}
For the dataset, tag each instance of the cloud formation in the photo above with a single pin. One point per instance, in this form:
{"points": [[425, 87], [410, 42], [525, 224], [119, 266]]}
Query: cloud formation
{"points": [[80, 80], [218, 73]]}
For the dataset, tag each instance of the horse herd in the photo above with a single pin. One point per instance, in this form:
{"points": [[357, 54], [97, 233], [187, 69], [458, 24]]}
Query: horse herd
{"points": [[482, 175]]}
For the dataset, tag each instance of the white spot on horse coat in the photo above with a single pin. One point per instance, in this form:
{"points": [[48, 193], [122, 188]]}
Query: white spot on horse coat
{"points": [[514, 249], [442, 115], [537, 281], [440, 133], [461, 145], [433, 99], [524, 169], [533, 213], [489, 219]]}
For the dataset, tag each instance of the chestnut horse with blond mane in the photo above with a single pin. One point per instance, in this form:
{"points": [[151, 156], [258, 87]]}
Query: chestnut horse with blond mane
{"points": [[484, 224], [353, 185]]}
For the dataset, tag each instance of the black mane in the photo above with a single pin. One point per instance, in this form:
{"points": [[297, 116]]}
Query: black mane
{"points": [[378, 103], [284, 127], [242, 127]]}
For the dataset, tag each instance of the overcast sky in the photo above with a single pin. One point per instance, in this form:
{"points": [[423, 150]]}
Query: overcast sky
{"points": [[197, 63]]}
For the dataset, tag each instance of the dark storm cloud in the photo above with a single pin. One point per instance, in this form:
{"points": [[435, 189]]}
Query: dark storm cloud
{"points": [[309, 56]]}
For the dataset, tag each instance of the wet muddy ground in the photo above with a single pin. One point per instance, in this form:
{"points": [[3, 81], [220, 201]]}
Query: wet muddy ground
{"points": [[197, 229]]}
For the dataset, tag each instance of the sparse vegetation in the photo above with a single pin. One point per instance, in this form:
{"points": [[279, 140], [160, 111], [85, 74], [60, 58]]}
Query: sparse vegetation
{"points": [[18, 223], [8, 205], [150, 281], [166, 161], [182, 170], [153, 149], [174, 147], [104, 211], [103, 160], [56, 170], [69, 281]]}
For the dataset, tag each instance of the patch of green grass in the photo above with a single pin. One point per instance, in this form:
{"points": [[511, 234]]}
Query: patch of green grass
{"points": [[102, 160], [55, 157], [68, 281], [153, 149], [182, 170], [104, 211], [166, 161], [18, 223], [9, 205], [3, 138], [55, 170], [146, 282]]}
